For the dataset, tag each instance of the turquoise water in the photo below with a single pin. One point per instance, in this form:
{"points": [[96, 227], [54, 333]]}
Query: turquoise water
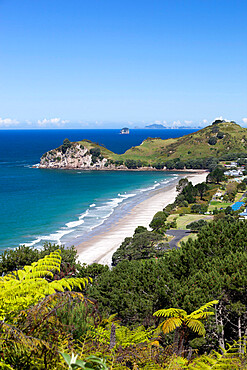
{"points": [[63, 206]]}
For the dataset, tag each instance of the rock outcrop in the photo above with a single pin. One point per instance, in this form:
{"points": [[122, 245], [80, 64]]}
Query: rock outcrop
{"points": [[76, 156]]}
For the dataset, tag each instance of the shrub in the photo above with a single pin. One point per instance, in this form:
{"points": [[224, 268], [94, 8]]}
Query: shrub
{"points": [[95, 152], [196, 208], [196, 225], [220, 135], [212, 140], [159, 165], [132, 164]]}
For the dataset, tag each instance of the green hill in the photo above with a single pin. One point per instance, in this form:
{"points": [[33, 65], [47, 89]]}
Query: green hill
{"points": [[231, 138], [222, 140]]}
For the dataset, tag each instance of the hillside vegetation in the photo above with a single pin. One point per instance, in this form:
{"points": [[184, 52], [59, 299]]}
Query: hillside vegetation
{"points": [[197, 145], [201, 149]]}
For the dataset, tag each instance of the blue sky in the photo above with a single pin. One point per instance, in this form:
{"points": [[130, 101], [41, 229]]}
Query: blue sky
{"points": [[102, 63]]}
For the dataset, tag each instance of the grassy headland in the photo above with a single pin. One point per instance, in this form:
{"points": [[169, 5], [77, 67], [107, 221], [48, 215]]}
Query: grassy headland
{"points": [[219, 141]]}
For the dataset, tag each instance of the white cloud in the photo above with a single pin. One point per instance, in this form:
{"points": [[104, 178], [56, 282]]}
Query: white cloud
{"points": [[7, 122], [222, 119], [52, 122], [244, 120], [176, 124], [205, 121], [188, 122]]}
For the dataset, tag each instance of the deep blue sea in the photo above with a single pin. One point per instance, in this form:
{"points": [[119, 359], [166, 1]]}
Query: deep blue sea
{"points": [[38, 205]]}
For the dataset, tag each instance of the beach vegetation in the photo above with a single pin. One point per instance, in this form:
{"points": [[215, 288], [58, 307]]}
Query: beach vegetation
{"points": [[217, 175], [210, 268], [57, 313], [158, 222], [143, 245]]}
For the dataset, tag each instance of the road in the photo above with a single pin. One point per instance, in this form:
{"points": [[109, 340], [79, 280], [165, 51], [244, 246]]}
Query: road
{"points": [[178, 235]]}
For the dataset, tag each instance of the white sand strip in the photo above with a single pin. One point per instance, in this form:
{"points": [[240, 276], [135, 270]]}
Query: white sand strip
{"points": [[101, 247]]}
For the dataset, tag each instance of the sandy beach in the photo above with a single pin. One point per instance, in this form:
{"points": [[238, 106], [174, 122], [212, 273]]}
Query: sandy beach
{"points": [[101, 247]]}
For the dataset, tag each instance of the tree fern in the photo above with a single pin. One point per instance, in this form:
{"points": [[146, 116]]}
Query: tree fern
{"points": [[23, 288]]}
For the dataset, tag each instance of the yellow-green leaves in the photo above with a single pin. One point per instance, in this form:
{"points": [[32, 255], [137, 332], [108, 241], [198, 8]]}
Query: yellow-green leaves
{"points": [[177, 317], [24, 288]]}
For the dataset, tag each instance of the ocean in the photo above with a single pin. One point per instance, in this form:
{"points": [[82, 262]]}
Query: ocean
{"points": [[66, 207]]}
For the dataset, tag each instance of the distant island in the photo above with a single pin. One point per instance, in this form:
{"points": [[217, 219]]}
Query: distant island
{"points": [[159, 126], [155, 126], [125, 131], [199, 150]]}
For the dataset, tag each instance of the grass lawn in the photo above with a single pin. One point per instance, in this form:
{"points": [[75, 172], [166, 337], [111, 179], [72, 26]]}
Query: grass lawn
{"points": [[193, 236], [214, 204], [183, 221]]}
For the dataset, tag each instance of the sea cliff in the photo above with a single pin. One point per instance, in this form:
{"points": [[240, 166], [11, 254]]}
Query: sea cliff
{"points": [[76, 156]]}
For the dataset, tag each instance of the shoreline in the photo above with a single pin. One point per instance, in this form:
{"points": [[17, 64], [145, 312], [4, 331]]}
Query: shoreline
{"points": [[100, 248]]}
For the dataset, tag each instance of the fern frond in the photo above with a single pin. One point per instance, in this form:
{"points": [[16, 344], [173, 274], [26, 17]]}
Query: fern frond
{"points": [[170, 324], [204, 307], [196, 326], [23, 288], [200, 316], [175, 312]]}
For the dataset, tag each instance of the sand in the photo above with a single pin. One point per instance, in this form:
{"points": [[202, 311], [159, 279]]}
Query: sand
{"points": [[101, 247]]}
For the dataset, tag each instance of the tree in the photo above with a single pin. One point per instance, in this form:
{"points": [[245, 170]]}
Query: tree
{"points": [[177, 318], [196, 225], [158, 221], [143, 245], [66, 144], [231, 190], [12, 260], [242, 186], [217, 175], [182, 184], [201, 188]]}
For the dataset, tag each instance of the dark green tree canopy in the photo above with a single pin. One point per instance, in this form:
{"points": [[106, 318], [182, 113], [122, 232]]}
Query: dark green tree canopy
{"points": [[66, 144]]}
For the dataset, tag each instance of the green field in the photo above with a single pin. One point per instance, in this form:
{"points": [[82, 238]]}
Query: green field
{"points": [[192, 236], [215, 204], [183, 221]]}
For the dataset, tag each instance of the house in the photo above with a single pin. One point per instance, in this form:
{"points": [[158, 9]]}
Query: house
{"points": [[218, 194], [243, 215], [233, 173]]}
